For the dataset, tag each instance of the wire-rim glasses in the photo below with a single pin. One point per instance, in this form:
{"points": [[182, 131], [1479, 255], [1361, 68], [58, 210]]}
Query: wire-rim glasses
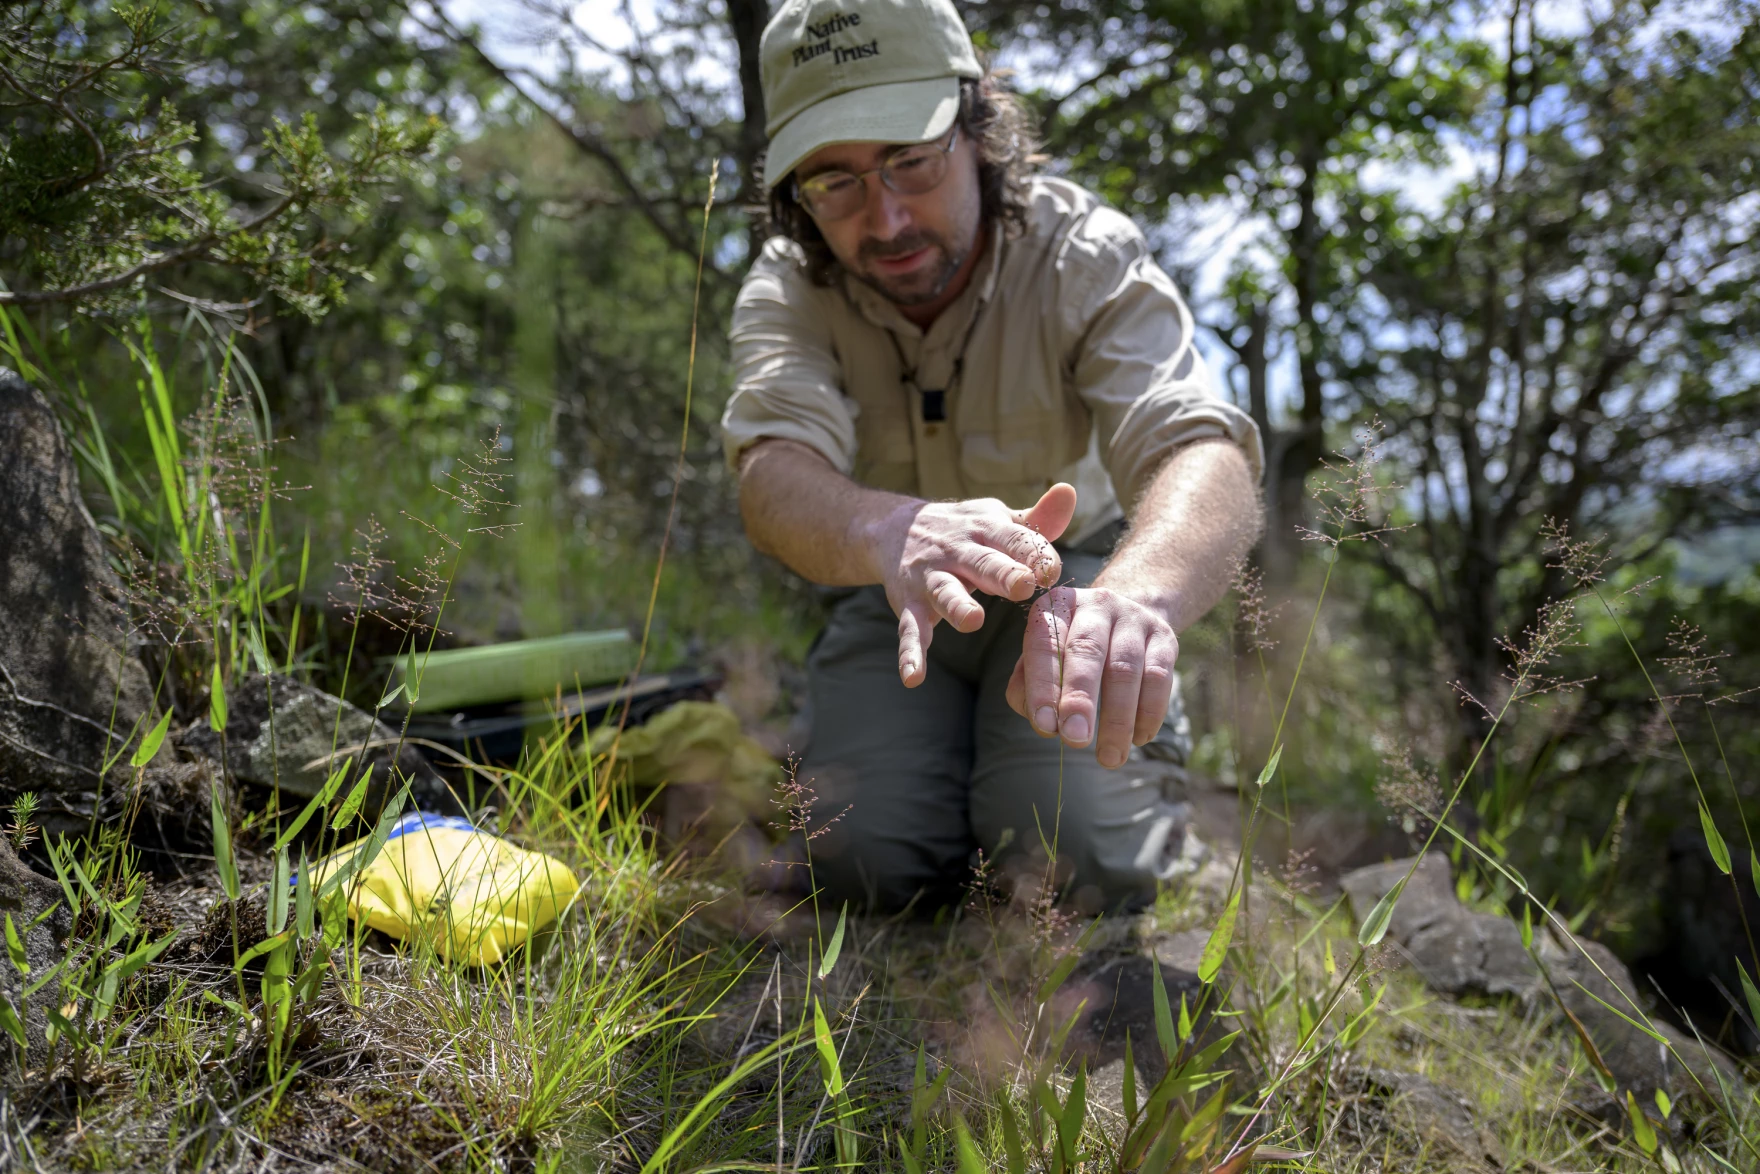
{"points": [[909, 171]]}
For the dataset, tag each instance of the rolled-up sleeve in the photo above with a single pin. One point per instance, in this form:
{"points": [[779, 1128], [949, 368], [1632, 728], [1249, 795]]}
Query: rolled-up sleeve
{"points": [[1136, 365], [786, 375]]}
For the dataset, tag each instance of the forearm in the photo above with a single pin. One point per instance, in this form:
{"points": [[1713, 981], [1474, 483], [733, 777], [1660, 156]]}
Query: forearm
{"points": [[1196, 520], [800, 510]]}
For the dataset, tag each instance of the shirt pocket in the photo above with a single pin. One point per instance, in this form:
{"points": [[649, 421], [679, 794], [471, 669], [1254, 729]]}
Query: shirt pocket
{"points": [[1021, 447]]}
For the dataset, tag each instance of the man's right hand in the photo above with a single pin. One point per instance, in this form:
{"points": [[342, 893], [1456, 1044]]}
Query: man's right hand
{"points": [[933, 555]]}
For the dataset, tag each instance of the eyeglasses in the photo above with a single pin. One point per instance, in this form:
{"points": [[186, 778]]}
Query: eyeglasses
{"points": [[909, 171]]}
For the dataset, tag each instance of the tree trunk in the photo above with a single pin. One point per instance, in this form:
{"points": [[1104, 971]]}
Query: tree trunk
{"points": [[748, 18]]}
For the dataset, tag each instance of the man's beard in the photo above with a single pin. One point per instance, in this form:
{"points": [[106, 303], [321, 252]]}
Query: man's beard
{"points": [[914, 289]]}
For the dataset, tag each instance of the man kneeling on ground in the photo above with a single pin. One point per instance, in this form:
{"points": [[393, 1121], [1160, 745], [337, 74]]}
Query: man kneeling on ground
{"points": [[945, 364]]}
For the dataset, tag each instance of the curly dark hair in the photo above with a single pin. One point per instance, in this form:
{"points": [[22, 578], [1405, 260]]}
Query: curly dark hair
{"points": [[995, 118]]}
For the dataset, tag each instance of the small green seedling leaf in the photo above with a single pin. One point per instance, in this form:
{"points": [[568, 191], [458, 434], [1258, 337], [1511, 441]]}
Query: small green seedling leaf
{"points": [[835, 947], [1185, 1018], [278, 894], [1664, 1105], [1015, 1153], [351, 806], [1527, 926], [1060, 973], [1749, 993], [261, 948], [1642, 1132], [217, 701], [390, 694], [1329, 963], [1714, 840], [1270, 768], [1374, 926], [150, 744], [302, 899], [223, 858], [1163, 1015], [10, 1020], [1216, 949], [126, 968], [970, 1160], [15, 949], [319, 801]]}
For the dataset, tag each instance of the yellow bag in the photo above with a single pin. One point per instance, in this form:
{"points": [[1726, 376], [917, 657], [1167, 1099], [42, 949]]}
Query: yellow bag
{"points": [[467, 892]]}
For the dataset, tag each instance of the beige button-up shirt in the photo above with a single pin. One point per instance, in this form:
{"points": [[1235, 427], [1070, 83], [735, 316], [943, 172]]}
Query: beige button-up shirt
{"points": [[1078, 365]]}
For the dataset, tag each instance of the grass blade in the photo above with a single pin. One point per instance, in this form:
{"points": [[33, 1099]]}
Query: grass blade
{"points": [[325, 793], [278, 894], [1163, 1015], [217, 702], [1714, 840], [1374, 926], [150, 744], [21, 961], [223, 859], [1216, 949], [836, 946], [1270, 768]]}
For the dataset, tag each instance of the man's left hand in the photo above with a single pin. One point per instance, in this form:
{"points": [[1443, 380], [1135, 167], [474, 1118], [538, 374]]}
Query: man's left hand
{"points": [[1095, 659]]}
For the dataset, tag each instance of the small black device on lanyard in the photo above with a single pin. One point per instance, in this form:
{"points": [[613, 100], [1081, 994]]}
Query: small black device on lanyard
{"points": [[934, 399]]}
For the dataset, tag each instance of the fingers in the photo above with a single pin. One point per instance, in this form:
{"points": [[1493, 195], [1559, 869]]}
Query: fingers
{"points": [[1095, 668], [1016, 693], [1085, 651], [916, 624], [953, 602], [1157, 690], [1041, 656], [1052, 513]]}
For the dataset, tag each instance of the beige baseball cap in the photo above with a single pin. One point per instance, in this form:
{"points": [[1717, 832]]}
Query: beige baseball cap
{"points": [[860, 71]]}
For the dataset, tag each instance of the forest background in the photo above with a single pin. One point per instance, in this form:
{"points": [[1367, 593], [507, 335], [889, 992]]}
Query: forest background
{"points": [[1516, 242]]}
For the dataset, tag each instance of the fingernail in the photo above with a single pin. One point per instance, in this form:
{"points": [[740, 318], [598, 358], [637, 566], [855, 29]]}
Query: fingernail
{"points": [[1046, 720], [908, 667], [1110, 757], [1076, 729]]}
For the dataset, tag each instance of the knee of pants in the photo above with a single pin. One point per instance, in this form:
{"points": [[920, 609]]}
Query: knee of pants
{"points": [[883, 877], [1100, 868]]}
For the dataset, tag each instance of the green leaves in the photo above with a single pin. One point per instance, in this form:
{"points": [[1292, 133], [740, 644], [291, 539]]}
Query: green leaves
{"points": [[351, 806], [1216, 949], [223, 859], [1714, 840], [217, 701], [1270, 768], [15, 949], [1642, 1131], [1163, 1015], [1374, 926], [150, 744], [836, 945], [325, 793]]}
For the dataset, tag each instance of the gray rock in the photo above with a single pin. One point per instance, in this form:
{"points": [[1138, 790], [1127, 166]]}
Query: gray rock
{"points": [[1435, 1115], [71, 690], [1457, 950], [281, 733], [1597, 988], [25, 897]]}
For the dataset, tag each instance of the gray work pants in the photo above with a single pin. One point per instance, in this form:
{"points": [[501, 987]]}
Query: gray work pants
{"points": [[916, 782]]}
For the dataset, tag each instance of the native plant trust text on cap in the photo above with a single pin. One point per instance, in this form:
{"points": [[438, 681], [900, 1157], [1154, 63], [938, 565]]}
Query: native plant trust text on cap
{"points": [[855, 71]]}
